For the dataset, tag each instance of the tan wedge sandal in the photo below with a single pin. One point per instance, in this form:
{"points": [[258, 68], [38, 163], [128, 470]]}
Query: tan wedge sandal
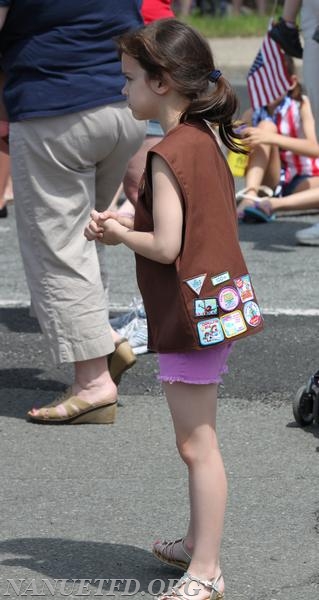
{"points": [[122, 359], [75, 411], [210, 584]]}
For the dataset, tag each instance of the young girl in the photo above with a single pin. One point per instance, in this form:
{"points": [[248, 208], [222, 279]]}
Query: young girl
{"points": [[197, 293], [284, 155]]}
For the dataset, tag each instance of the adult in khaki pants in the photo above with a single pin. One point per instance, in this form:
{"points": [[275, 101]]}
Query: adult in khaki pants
{"points": [[71, 136]]}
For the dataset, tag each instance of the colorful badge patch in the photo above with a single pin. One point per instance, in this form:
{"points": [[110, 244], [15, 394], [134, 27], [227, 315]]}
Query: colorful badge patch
{"points": [[244, 287], [206, 307], [252, 314], [217, 279], [196, 283], [228, 298], [233, 324], [210, 332]]}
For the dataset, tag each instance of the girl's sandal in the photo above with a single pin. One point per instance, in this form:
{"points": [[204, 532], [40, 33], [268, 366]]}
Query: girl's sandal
{"points": [[259, 212], [210, 584], [261, 192], [166, 554]]}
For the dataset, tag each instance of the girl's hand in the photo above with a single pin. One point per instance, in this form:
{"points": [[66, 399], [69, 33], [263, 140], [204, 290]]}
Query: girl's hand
{"points": [[112, 231], [254, 136], [94, 229]]}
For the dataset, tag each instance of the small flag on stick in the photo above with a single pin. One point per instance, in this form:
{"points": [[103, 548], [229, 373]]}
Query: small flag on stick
{"points": [[268, 78]]}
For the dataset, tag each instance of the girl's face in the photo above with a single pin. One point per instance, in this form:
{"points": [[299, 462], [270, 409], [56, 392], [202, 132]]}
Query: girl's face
{"points": [[139, 90]]}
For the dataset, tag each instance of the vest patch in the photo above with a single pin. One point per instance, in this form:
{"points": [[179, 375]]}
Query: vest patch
{"points": [[210, 332], [217, 279], [205, 307], [244, 287], [252, 314], [196, 283], [233, 324], [228, 298]]}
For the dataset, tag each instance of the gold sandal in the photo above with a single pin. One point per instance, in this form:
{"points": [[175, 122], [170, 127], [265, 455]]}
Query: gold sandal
{"points": [[210, 584], [122, 359], [75, 411], [166, 554]]}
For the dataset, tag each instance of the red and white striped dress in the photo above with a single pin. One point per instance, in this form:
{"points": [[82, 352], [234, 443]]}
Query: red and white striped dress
{"points": [[287, 119]]}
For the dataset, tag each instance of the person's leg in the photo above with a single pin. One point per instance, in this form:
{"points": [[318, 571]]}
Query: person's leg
{"points": [[236, 6], [285, 32], [184, 7], [4, 176], [305, 197], [62, 269], [193, 409], [118, 137], [290, 10], [136, 167], [263, 167], [261, 6]]}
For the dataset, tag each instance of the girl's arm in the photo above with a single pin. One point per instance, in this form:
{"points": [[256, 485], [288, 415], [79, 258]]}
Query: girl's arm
{"points": [[164, 243], [307, 146]]}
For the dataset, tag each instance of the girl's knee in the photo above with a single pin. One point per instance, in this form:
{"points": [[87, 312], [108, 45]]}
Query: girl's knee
{"points": [[267, 126], [195, 451]]}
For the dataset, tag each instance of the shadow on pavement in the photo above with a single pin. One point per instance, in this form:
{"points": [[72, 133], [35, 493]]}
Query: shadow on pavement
{"points": [[57, 558], [19, 320], [278, 236]]}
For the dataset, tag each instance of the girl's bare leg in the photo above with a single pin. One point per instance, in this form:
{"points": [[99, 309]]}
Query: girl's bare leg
{"points": [[306, 197], [193, 409], [264, 162]]}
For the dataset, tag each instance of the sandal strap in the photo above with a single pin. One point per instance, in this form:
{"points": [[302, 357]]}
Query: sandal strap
{"points": [[168, 548], [209, 584]]}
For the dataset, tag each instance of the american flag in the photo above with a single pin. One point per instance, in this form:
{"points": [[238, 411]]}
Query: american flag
{"points": [[268, 78]]}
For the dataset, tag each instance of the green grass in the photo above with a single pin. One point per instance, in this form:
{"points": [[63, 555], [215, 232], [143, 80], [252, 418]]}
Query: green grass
{"points": [[229, 26]]}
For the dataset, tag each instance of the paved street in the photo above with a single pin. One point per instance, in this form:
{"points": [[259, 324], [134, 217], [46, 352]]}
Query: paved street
{"points": [[86, 502]]}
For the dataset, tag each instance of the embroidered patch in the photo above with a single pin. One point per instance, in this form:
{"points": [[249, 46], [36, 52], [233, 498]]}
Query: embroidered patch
{"points": [[196, 283], [217, 279], [228, 298], [205, 307], [244, 287], [210, 332], [252, 314], [233, 324]]}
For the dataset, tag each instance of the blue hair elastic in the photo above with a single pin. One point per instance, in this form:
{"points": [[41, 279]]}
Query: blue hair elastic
{"points": [[215, 75]]}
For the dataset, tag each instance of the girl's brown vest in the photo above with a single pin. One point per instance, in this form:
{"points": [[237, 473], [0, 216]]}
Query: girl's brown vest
{"points": [[206, 296]]}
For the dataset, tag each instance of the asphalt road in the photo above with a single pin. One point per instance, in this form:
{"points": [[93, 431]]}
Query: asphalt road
{"points": [[86, 502]]}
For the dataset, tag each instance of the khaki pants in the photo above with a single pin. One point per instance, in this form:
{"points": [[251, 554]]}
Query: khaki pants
{"points": [[61, 168]]}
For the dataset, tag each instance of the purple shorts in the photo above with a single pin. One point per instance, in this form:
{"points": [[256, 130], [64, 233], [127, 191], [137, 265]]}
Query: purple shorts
{"points": [[197, 366]]}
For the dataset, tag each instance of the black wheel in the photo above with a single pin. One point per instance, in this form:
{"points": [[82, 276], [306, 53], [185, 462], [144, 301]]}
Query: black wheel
{"points": [[302, 407]]}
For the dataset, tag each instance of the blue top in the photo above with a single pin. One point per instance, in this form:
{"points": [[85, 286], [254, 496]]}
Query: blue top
{"points": [[59, 55]]}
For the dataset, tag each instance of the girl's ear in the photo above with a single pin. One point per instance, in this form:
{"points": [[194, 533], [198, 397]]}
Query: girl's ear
{"points": [[159, 86]]}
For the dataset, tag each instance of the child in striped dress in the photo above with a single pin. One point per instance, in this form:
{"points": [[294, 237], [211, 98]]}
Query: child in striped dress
{"points": [[284, 156]]}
